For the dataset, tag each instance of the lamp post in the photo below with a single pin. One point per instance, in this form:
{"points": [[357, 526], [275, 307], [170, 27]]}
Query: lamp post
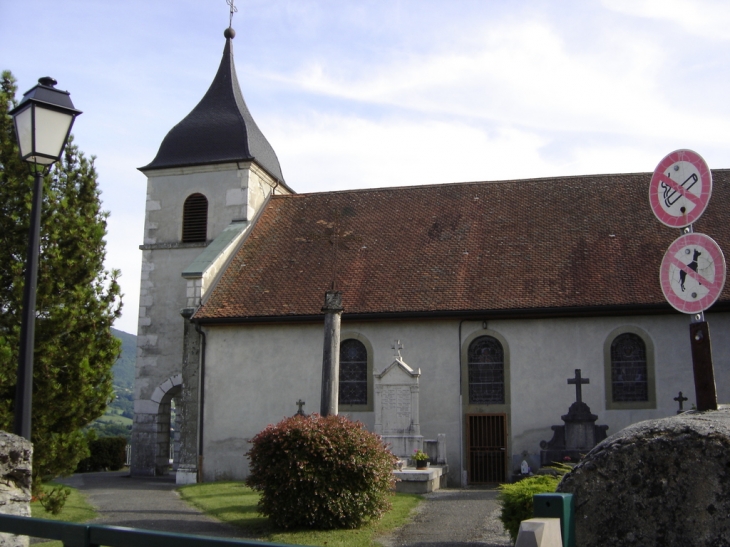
{"points": [[43, 121]]}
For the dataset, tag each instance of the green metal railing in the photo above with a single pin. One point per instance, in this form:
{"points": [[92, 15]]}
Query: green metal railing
{"points": [[92, 535]]}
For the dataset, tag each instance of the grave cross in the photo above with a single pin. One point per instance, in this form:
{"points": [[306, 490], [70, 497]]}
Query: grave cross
{"points": [[578, 381], [300, 404], [680, 399], [397, 346]]}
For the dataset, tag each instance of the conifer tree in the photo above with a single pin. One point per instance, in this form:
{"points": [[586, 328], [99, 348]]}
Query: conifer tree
{"points": [[77, 300]]}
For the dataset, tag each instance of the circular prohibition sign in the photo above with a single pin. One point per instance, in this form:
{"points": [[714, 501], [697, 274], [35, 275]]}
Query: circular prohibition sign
{"points": [[692, 273], [680, 188]]}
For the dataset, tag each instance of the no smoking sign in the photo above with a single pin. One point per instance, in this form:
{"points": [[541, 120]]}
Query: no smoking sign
{"points": [[680, 188], [693, 273]]}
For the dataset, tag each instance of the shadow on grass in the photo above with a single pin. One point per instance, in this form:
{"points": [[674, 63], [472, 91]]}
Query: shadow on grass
{"points": [[236, 504]]}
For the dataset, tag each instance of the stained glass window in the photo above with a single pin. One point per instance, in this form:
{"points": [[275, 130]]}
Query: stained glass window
{"points": [[353, 373], [628, 368], [486, 371]]}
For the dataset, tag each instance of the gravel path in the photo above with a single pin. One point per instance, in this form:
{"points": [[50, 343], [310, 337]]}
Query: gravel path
{"points": [[448, 518], [453, 518]]}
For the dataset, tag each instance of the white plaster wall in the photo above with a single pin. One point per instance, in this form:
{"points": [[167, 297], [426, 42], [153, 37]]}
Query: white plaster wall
{"points": [[256, 373]]}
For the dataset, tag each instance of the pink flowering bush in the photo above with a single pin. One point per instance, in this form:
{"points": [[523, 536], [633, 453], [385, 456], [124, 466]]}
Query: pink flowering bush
{"points": [[315, 472]]}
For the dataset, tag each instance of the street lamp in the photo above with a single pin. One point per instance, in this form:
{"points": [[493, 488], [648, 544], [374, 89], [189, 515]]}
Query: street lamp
{"points": [[43, 121]]}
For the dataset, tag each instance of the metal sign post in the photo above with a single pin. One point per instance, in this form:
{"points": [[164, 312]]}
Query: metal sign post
{"points": [[693, 271]]}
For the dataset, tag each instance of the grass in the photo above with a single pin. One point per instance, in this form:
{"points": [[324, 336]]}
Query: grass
{"points": [[76, 509], [235, 503], [114, 418]]}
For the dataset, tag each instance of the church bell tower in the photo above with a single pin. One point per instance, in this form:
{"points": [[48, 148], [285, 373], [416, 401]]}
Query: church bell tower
{"points": [[212, 175]]}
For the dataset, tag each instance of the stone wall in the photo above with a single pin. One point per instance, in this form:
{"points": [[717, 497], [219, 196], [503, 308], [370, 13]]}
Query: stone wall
{"points": [[661, 483], [16, 455]]}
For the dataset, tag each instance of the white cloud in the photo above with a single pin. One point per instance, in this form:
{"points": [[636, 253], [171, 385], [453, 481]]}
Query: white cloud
{"points": [[708, 19]]}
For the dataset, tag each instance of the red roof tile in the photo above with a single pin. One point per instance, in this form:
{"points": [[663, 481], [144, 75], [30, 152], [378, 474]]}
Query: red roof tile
{"points": [[541, 244]]}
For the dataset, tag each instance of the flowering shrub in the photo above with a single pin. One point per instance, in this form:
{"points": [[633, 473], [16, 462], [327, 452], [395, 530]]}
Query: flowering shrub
{"points": [[419, 455], [316, 472]]}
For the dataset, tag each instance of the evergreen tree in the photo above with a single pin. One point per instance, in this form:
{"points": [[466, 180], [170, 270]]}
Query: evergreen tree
{"points": [[77, 300]]}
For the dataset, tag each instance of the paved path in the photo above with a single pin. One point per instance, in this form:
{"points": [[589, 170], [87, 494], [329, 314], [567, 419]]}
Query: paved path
{"points": [[149, 503], [448, 518]]}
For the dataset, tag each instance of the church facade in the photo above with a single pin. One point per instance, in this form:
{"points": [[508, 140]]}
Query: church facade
{"points": [[497, 291]]}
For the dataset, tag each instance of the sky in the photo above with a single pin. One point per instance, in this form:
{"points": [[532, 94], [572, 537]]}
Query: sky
{"points": [[384, 92]]}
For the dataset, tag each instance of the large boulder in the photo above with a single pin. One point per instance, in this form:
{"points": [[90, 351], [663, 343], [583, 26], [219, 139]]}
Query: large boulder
{"points": [[656, 483], [16, 456]]}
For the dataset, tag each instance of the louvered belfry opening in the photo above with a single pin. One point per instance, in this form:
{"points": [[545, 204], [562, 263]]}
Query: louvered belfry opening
{"points": [[487, 449], [195, 219]]}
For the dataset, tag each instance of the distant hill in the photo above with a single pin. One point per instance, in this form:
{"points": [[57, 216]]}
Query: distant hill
{"points": [[117, 420], [124, 367]]}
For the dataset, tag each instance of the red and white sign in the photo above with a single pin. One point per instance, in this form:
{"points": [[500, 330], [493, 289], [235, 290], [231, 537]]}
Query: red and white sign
{"points": [[680, 188], [692, 273]]}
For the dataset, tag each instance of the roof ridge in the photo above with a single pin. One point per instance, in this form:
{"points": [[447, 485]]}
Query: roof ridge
{"points": [[477, 182]]}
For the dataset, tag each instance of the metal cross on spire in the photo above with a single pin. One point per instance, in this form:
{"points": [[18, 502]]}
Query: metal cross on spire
{"points": [[579, 382], [234, 9]]}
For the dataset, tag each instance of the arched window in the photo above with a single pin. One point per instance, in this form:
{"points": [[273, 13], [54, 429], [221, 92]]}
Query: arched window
{"points": [[486, 371], [195, 219], [629, 378], [353, 373]]}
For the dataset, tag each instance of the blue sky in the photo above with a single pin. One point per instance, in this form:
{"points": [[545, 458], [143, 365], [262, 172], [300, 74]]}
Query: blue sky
{"points": [[384, 93]]}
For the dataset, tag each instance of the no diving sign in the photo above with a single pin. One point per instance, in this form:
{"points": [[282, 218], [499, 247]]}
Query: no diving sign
{"points": [[692, 273], [680, 188]]}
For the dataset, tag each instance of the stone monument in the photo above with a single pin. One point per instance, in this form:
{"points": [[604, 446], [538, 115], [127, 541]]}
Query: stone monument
{"points": [[396, 407], [580, 432]]}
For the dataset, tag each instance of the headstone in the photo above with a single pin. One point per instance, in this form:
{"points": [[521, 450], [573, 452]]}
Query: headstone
{"points": [[580, 432], [396, 408], [300, 404], [680, 399], [656, 483], [16, 454]]}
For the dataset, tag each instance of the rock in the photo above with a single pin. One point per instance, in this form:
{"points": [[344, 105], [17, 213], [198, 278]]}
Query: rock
{"points": [[15, 481], [656, 483]]}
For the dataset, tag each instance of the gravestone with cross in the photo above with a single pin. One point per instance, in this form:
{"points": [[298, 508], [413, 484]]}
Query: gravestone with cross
{"points": [[580, 432], [300, 404], [680, 399]]}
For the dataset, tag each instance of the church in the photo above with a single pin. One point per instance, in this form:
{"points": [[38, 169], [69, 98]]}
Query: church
{"points": [[494, 291]]}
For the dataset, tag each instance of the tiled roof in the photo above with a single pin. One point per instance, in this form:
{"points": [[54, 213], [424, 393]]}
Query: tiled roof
{"points": [[220, 129], [541, 244]]}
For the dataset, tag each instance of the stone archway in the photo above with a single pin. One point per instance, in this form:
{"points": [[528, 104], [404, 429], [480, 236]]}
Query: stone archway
{"points": [[165, 427], [151, 430]]}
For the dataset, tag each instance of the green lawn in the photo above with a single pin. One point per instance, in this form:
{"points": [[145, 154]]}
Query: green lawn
{"points": [[235, 503], [76, 509], [114, 419]]}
